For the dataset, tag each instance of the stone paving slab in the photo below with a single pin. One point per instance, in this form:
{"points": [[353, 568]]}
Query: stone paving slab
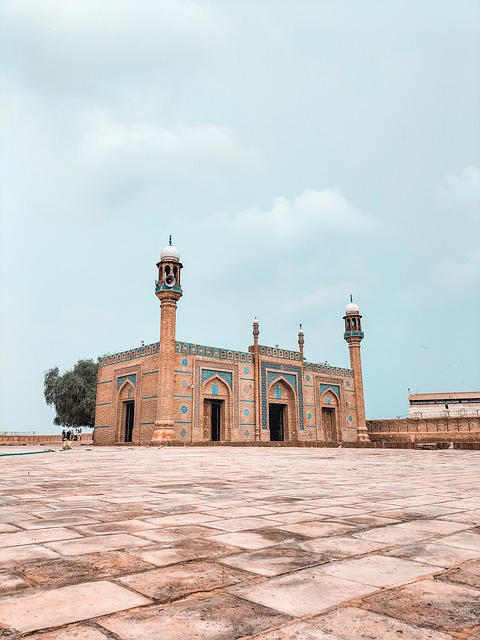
{"points": [[58, 607], [431, 603], [207, 618], [379, 571], [352, 624], [303, 593], [14, 556], [224, 543], [72, 632], [93, 544], [172, 583]]}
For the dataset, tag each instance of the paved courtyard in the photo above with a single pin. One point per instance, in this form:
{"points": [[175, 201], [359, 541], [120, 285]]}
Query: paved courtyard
{"points": [[223, 543]]}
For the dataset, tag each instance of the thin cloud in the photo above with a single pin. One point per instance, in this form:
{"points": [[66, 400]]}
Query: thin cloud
{"points": [[326, 209]]}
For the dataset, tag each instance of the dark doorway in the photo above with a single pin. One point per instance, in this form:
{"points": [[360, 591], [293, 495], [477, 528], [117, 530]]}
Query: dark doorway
{"points": [[329, 425], [129, 418], [216, 418], [276, 421]]}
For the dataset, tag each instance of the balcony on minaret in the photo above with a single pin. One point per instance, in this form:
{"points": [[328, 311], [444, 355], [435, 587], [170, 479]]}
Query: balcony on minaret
{"points": [[161, 286], [353, 322]]}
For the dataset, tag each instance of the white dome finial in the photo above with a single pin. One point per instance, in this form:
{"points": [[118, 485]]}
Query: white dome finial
{"points": [[170, 252], [352, 307]]}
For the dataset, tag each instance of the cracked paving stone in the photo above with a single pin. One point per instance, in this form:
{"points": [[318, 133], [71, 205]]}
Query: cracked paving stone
{"points": [[184, 551], [433, 603], [172, 583], [60, 572], [274, 561], [468, 574], [72, 632], [351, 623], [437, 554], [218, 617]]}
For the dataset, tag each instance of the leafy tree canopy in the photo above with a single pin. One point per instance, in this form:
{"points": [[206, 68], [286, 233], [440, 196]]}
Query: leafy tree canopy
{"points": [[73, 394]]}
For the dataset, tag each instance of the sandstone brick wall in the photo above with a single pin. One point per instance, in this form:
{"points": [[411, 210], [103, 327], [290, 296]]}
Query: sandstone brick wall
{"points": [[464, 429]]}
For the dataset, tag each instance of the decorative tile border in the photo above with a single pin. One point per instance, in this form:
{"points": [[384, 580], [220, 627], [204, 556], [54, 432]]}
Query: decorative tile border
{"points": [[285, 370], [212, 352], [186, 348], [230, 370], [326, 368]]}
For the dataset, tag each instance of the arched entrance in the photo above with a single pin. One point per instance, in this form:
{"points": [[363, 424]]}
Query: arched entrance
{"points": [[329, 406], [282, 416], [217, 409], [126, 413]]}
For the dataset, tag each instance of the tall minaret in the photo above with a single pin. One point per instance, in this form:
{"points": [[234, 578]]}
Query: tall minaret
{"points": [[354, 336], [168, 291], [257, 382]]}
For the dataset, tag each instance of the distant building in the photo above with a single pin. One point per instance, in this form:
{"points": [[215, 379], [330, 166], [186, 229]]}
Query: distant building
{"points": [[172, 391], [456, 404]]}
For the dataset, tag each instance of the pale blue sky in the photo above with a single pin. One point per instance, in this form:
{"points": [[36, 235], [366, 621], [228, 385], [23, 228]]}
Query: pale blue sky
{"points": [[298, 151]]}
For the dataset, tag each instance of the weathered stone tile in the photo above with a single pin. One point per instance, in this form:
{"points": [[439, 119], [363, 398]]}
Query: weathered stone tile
{"points": [[293, 517], [350, 623], [432, 603], [241, 524], [36, 537], [10, 582], [302, 593], [62, 606], [434, 526], [394, 535], [244, 539], [180, 519], [420, 511], [65, 521], [339, 511], [369, 520], [468, 574], [273, 561], [184, 551], [317, 529], [239, 512], [18, 555], [379, 571], [172, 583], [434, 553], [464, 540], [8, 528], [98, 543], [120, 526], [469, 517], [62, 571], [218, 617], [339, 547], [174, 534], [72, 632]]}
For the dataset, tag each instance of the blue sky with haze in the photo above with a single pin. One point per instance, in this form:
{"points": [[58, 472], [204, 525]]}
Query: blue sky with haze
{"points": [[297, 151]]}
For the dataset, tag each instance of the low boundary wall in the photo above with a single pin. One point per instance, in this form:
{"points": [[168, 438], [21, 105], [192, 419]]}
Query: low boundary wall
{"points": [[456, 430], [84, 438]]}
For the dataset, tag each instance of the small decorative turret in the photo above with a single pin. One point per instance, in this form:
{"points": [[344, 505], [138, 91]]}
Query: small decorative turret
{"points": [[169, 271], [301, 341], [256, 331]]}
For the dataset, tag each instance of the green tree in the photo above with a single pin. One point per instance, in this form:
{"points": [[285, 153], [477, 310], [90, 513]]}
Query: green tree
{"points": [[73, 394]]}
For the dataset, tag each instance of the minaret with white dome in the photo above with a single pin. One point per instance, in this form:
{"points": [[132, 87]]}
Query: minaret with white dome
{"points": [[354, 336], [168, 291]]}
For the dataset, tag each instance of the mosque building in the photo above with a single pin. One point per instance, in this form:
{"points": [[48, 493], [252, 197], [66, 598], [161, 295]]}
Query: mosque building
{"points": [[181, 392]]}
